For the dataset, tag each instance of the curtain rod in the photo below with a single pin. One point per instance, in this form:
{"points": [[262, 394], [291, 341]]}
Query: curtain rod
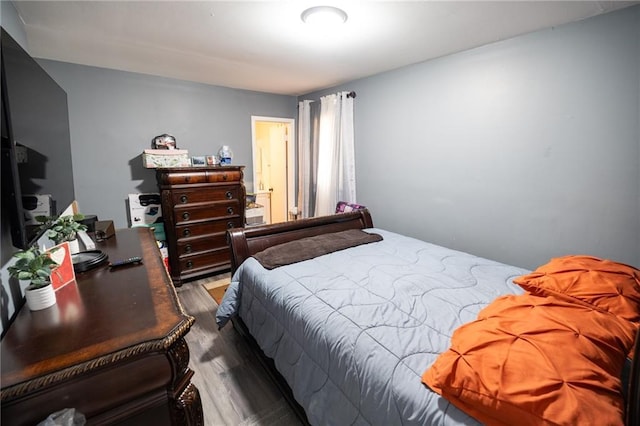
{"points": [[351, 94]]}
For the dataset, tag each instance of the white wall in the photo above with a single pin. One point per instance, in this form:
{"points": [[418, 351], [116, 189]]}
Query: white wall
{"points": [[518, 151]]}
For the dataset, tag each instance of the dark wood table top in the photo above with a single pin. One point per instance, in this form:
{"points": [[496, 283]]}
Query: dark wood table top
{"points": [[106, 316]]}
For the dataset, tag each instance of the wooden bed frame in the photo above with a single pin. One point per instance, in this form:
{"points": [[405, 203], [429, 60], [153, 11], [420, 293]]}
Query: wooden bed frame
{"points": [[245, 242]]}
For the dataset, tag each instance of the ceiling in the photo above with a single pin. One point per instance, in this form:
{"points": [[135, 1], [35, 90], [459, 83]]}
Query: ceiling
{"points": [[264, 45]]}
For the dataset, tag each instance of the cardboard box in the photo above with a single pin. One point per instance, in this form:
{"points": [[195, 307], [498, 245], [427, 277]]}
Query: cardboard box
{"points": [[145, 209], [104, 230], [153, 158]]}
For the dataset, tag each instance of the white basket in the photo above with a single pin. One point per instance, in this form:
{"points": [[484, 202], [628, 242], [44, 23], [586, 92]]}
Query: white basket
{"points": [[40, 298]]}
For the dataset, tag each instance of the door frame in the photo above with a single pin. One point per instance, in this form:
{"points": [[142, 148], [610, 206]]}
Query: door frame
{"points": [[290, 189]]}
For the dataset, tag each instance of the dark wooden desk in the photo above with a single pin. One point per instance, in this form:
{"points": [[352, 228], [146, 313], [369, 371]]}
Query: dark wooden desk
{"points": [[112, 347]]}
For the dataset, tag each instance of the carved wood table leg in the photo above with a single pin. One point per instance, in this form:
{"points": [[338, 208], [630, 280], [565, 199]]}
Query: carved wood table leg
{"points": [[187, 406]]}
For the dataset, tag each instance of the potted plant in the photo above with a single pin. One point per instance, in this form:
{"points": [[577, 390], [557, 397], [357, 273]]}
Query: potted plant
{"points": [[36, 267], [63, 228]]}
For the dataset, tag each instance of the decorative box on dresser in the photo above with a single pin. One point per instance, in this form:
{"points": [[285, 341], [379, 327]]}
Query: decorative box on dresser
{"points": [[199, 205], [112, 347]]}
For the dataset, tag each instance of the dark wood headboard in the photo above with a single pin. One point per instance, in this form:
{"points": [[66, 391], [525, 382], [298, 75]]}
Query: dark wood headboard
{"points": [[245, 242]]}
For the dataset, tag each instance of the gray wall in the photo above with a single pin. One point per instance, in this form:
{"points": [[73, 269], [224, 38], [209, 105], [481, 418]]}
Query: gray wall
{"points": [[114, 115], [518, 151], [12, 23]]}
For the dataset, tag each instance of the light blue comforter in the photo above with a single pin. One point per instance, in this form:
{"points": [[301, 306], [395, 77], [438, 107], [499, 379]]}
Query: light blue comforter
{"points": [[353, 331]]}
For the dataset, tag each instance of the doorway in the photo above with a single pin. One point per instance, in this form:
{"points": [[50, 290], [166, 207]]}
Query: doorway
{"points": [[273, 166]]}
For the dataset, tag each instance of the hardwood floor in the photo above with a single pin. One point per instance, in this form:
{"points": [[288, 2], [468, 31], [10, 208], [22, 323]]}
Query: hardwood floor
{"points": [[234, 387]]}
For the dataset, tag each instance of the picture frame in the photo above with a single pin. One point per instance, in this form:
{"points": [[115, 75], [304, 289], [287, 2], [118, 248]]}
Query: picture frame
{"points": [[211, 160], [198, 160]]}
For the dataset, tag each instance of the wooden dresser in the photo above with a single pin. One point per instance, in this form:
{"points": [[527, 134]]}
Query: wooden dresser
{"points": [[112, 347], [199, 204]]}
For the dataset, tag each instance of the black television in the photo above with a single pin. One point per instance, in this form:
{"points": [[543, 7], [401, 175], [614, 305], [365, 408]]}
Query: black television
{"points": [[37, 172]]}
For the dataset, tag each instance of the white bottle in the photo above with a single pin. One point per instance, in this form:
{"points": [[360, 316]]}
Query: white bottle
{"points": [[226, 155]]}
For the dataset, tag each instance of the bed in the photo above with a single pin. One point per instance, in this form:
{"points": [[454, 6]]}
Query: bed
{"points": [[391, 330]]}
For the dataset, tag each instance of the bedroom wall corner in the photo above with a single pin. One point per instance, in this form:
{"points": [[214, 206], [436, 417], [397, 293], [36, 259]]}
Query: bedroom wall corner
{"points": [[12, 23], [114, 115], [519, 151]]}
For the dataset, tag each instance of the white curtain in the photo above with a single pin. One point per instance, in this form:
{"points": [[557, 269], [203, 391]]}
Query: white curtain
{"points": [[305, 156], [336, 154]]}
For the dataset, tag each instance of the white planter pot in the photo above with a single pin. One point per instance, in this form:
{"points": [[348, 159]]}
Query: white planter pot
{"points": [[74, 246], [40, 298]]}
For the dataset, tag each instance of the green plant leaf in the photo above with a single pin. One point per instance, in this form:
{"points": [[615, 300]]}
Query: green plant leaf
{"points": [[63, 228], [33, 265]]}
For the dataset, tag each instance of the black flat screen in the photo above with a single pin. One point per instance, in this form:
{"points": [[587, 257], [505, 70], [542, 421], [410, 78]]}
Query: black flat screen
{"points": [[36, 142]]}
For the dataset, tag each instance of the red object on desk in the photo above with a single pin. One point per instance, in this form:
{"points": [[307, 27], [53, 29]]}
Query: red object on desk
{"points": [[63, 274]]}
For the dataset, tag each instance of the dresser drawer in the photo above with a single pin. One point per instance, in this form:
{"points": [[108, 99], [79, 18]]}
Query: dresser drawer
{"points": [[204, 260], [200, 205], [202, 176], [189, 246], [200, 195], [194, 212], [203, 228]]}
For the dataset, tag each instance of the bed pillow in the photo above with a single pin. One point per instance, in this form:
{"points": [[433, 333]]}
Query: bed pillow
{"points": [[529, 360], [344, 207], [606, 285]]}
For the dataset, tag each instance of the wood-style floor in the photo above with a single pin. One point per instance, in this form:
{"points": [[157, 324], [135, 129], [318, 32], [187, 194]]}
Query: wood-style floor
{"points": [[234, 388]]}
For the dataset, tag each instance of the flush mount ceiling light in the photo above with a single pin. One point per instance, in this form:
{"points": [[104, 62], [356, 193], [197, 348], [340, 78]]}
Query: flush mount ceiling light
{"points": [[324, 15]]}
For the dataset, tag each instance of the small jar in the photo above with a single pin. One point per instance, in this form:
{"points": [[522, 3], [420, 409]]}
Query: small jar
{"points": [[225, 155]]}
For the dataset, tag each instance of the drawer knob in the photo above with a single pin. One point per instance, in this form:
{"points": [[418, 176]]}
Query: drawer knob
{"points": [[189, 264], [186, 232], [229, 225], [224, 177], [229, 210], [188, 248], [184, 199], [229, 195], [186, 215]]}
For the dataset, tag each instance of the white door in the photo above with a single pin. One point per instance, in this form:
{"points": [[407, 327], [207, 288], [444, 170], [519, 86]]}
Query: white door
{"points": [[273, 164]]}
